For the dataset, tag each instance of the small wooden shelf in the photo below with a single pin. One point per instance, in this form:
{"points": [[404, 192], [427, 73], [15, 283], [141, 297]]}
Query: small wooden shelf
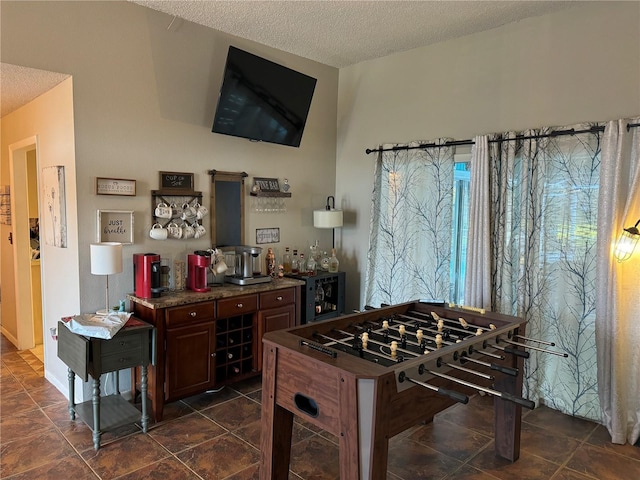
{"points": [[114, 412], [271, 194]]}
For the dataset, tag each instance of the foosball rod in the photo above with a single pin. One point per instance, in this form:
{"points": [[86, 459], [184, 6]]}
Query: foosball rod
{"points": [[452, 324], [409, 352], [504, 395], [542, 342], [486, 376], [457, 396], [347, 344], [523, 345], [493, 366], [512, 351], [537, 349], [432, 330]]}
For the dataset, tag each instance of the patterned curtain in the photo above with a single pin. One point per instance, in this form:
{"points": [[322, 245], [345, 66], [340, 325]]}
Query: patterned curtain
{"points": [[617, 315], [544, 204], [410, 232]]}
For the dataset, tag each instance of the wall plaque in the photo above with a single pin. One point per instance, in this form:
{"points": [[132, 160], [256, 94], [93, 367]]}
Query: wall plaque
{"points": [[176, 181]]}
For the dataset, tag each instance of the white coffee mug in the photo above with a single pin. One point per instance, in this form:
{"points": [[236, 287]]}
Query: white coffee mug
{"points": [[201, 211], [188, 212], [188, 231], [174, 230], [220, 267], [158, 232], [176, 211], [163, 211], [200, 231]]}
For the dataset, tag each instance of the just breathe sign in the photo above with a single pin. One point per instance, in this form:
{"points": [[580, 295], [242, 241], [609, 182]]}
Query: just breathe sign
{"points": [[115, 226]]}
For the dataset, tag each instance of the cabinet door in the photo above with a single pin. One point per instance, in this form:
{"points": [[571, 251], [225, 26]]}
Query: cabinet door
{"points": [[190, 360], [274, 319]]}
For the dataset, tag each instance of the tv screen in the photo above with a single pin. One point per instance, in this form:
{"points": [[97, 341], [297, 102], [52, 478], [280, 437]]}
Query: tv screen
{"points": [[262, 101]]}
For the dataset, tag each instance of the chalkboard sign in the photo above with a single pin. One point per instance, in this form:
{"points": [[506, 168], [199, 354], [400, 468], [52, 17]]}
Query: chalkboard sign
{"points": [[176, 181]]}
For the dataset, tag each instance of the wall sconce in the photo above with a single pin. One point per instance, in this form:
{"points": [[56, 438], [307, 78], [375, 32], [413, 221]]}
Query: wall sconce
{"points": [[627, 242], [328, 218], [106, 259]]}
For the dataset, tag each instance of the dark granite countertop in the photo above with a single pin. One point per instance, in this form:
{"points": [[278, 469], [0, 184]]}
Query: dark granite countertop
{"points": [[185, 297]]}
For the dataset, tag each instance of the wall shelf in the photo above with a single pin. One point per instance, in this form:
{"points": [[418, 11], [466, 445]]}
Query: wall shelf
{"points": [[271, 194]]}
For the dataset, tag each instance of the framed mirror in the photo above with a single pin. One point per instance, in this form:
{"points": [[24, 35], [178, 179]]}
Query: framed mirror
{"points": [[227, 208]]}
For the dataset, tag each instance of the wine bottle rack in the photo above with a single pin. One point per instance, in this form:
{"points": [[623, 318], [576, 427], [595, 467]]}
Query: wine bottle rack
{"points": [[323, 296], [235, 357]]}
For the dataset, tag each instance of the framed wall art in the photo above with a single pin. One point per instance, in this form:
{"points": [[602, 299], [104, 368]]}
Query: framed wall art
{"points": [[115, 226], [115, 186], [267, 235], [54, 216], [176, 181]]}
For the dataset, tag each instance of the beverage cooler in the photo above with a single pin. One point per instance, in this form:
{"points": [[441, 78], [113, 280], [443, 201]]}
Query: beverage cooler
{"points": [[322, 296]]}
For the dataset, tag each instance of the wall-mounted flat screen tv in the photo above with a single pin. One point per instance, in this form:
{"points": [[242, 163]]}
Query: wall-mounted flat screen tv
{"points": [[262, 101]]}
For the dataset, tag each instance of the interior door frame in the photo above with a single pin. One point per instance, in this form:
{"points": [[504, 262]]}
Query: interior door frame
{"points": [[21, 239]]}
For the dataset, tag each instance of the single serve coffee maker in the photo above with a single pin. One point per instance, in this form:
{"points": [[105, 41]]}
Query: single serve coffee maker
{"points": [[197, 269], [146, 275], [247, 266]]}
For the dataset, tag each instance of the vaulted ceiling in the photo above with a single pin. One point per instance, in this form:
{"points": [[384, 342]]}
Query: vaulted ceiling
{"points": [[337, 32]]}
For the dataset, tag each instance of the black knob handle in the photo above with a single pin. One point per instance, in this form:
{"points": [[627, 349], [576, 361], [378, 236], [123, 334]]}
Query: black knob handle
{"points": [[457, 396], [516, 352], [506, 370], [525, 402]]}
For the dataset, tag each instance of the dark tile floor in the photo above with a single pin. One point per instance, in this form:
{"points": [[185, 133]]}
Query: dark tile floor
{"points": [[217, 436]]}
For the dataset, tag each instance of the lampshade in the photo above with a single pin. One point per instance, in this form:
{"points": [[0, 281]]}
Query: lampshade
{"points": [[106, 258], [627, 242], [327, 218]]}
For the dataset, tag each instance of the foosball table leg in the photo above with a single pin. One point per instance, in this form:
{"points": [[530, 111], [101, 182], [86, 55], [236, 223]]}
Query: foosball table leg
{"points": [[507, 418], [277, 426]]}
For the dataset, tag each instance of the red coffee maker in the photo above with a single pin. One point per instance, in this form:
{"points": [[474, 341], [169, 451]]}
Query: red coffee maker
{"points": [[197, 269], [146, 275]]}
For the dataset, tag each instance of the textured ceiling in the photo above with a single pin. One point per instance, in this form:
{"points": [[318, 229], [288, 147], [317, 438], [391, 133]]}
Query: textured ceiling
{"points": [[342, 33], [20, 85], [333, 32]]}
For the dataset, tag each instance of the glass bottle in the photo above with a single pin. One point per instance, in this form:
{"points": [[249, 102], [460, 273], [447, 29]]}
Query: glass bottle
{"points": [[286, 261], [295, 264], [302, 265], [333, 262], [324, 262], [314, 251], [312, 266]]}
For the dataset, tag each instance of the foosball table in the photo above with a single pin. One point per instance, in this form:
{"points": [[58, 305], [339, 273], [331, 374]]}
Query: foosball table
{"points": [[368, 376]]}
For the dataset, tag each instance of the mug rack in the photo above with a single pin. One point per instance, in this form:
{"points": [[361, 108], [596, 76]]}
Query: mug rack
{"points": [[169, 197]]}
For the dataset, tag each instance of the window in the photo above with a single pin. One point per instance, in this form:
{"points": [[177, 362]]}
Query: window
{"points": [[459, 226]]}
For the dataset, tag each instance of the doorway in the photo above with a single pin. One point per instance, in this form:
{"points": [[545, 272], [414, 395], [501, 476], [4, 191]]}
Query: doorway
{"points": [[23, 163]]}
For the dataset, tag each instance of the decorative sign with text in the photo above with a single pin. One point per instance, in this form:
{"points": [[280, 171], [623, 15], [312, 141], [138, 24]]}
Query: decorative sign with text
{"points": [[115, 186], [267, 184], [115, 226], [267, 235], [176, 181]]}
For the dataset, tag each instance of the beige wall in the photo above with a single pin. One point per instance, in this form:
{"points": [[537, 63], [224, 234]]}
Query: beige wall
{"points": [[581, 64], [143, 101], [46, 122]]}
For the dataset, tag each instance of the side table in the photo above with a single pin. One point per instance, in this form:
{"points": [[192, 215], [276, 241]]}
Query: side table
{"points": [[129, 348]]}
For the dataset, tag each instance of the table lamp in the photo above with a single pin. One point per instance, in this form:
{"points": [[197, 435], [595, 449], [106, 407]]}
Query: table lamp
{"points": [[328, 218], [106, 259]]}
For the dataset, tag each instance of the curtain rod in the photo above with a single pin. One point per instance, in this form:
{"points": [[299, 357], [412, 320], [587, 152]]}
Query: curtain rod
{"points": [[452, 143]]}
